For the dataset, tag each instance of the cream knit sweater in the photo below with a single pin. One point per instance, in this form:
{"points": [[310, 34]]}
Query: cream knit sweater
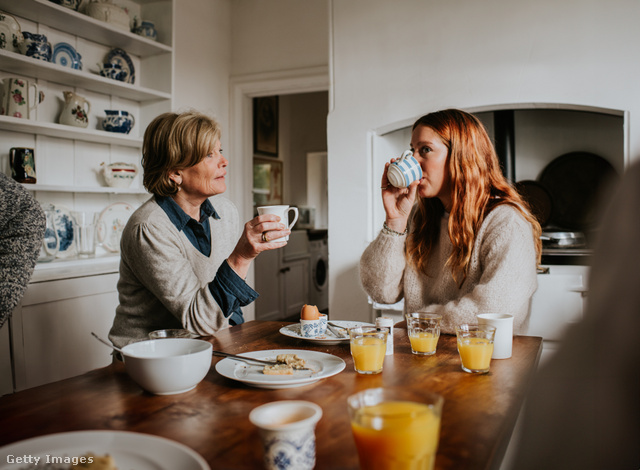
{"points": [[501, 276]]}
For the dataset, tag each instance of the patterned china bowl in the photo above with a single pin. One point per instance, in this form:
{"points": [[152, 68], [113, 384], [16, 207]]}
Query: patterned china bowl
{"points": [[119, 174], [118, 121]]}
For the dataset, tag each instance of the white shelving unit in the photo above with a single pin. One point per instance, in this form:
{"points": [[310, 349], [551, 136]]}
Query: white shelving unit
{"points": [[70, 297], [149, 95]]}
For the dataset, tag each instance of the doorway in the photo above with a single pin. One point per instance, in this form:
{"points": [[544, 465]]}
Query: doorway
{"points": [[286, 85]]}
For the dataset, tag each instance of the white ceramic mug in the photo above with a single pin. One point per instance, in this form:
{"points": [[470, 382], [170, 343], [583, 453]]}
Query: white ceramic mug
{"points": [[503, 341], [283, 213], [404, 171], [287, 429]]}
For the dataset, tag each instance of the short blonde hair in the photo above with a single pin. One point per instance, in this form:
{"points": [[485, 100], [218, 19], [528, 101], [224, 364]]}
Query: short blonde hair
{"points": [[175, 141]]}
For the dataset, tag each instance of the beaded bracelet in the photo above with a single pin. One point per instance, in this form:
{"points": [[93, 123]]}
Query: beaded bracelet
{"points": [[385, 228]]}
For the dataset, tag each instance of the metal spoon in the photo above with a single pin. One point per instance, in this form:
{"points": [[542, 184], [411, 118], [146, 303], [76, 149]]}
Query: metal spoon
{"points": [[107, 343]]}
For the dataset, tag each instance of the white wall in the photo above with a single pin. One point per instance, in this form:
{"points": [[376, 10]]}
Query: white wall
{"points": [[202, 57], [394, 61], [277, 35]]}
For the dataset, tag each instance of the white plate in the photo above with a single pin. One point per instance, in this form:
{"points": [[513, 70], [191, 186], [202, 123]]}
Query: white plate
{"points": [[130, 450], [111, 223], [323, 365], [293, 331], [10, 30], [64, 226]]}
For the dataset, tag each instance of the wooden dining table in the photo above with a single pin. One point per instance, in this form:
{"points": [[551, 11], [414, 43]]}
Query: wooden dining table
{"points": [[478, 416]]}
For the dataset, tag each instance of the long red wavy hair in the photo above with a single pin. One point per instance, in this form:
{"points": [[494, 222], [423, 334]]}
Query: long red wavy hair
{"points": [[478, 186]]}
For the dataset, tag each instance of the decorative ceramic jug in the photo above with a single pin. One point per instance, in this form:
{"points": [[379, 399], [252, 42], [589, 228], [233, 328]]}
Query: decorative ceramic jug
{"points": [[51, 241], [118, 121], [15, 99], [145, 28], [75, 111], [36, 46]]}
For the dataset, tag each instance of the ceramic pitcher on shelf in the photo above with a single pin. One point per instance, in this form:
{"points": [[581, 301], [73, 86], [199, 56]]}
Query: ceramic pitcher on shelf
{"points": [[75, 111], [16, 97]]}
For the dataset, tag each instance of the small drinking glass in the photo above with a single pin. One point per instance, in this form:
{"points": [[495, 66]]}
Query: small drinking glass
{"points": [[84, 224], [475, 345], [424, 331], [368, 348], [172, 333], [395, 428]]}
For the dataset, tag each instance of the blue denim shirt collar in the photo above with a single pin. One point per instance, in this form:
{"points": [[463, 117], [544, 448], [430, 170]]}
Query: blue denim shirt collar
{"points": [[178, 217]]}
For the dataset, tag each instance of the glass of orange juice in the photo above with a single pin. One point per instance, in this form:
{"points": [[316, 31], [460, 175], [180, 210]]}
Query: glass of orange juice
{"points": [[395, 429], [368, 348], [424, 331], [475, 345]]}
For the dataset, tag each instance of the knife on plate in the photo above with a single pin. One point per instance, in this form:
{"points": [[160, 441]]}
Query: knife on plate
{"points": [[335, 331], [250, 360]]}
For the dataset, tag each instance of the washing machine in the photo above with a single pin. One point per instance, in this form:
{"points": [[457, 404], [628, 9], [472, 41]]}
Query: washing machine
{"points": [[318, 270]]}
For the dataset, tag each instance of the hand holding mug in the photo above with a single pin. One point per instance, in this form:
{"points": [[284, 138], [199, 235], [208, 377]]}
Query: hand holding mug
{"points": [[397, 198], [283, 213]]}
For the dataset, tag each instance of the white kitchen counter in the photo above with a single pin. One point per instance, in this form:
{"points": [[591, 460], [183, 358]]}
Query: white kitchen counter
{"points": [[76, 267]]}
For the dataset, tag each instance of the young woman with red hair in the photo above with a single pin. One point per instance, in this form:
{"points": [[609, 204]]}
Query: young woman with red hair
{"points": [[460, 241]]}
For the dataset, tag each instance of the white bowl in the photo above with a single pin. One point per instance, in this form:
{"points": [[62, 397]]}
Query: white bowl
{"points": [[168, 366]]}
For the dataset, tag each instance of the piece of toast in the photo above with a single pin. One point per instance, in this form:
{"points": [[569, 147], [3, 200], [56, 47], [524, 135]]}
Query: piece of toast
{"points": [[292, 360], [278, 369]]}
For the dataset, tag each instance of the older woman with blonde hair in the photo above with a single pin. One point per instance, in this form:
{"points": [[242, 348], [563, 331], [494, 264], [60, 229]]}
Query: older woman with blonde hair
{"points": [[460, 241], [184, 256]]}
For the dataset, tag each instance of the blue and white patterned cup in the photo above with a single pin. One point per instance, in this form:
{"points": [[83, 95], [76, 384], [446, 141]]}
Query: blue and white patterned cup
{"points": [[323, 323], [287, 429], [310, 328], [404, 171]]}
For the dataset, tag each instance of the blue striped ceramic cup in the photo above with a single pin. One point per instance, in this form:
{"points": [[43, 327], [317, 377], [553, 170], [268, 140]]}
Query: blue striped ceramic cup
{"points": [[404, 171]]}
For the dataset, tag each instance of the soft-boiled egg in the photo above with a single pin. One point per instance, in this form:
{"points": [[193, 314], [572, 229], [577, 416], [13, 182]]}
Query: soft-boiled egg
{"points": [[309, 312]]}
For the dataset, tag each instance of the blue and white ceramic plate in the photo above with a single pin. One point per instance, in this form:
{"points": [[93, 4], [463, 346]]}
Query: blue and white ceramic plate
{"points": [[64, 226], [120, 57], [65, 55]]}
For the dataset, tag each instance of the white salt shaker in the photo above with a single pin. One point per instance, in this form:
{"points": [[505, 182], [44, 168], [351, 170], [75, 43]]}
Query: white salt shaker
{"points": [[387, 322]]}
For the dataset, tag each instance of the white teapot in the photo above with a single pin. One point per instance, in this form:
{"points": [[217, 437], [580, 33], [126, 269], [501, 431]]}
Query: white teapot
{"points": [[105, 10], [119, 174]]}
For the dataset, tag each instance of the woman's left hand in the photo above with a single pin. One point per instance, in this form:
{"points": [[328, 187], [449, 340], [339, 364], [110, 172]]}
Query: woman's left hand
{"points": [[257, 236]]}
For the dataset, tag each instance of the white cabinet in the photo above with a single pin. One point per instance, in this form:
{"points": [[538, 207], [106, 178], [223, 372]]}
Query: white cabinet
{"points": [[282, 279], [558, 303], [51, 328]]}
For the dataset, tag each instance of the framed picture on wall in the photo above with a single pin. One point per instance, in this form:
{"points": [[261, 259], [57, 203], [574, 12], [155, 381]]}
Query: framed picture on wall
{"points": [[265, 126], [267, 182]]}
